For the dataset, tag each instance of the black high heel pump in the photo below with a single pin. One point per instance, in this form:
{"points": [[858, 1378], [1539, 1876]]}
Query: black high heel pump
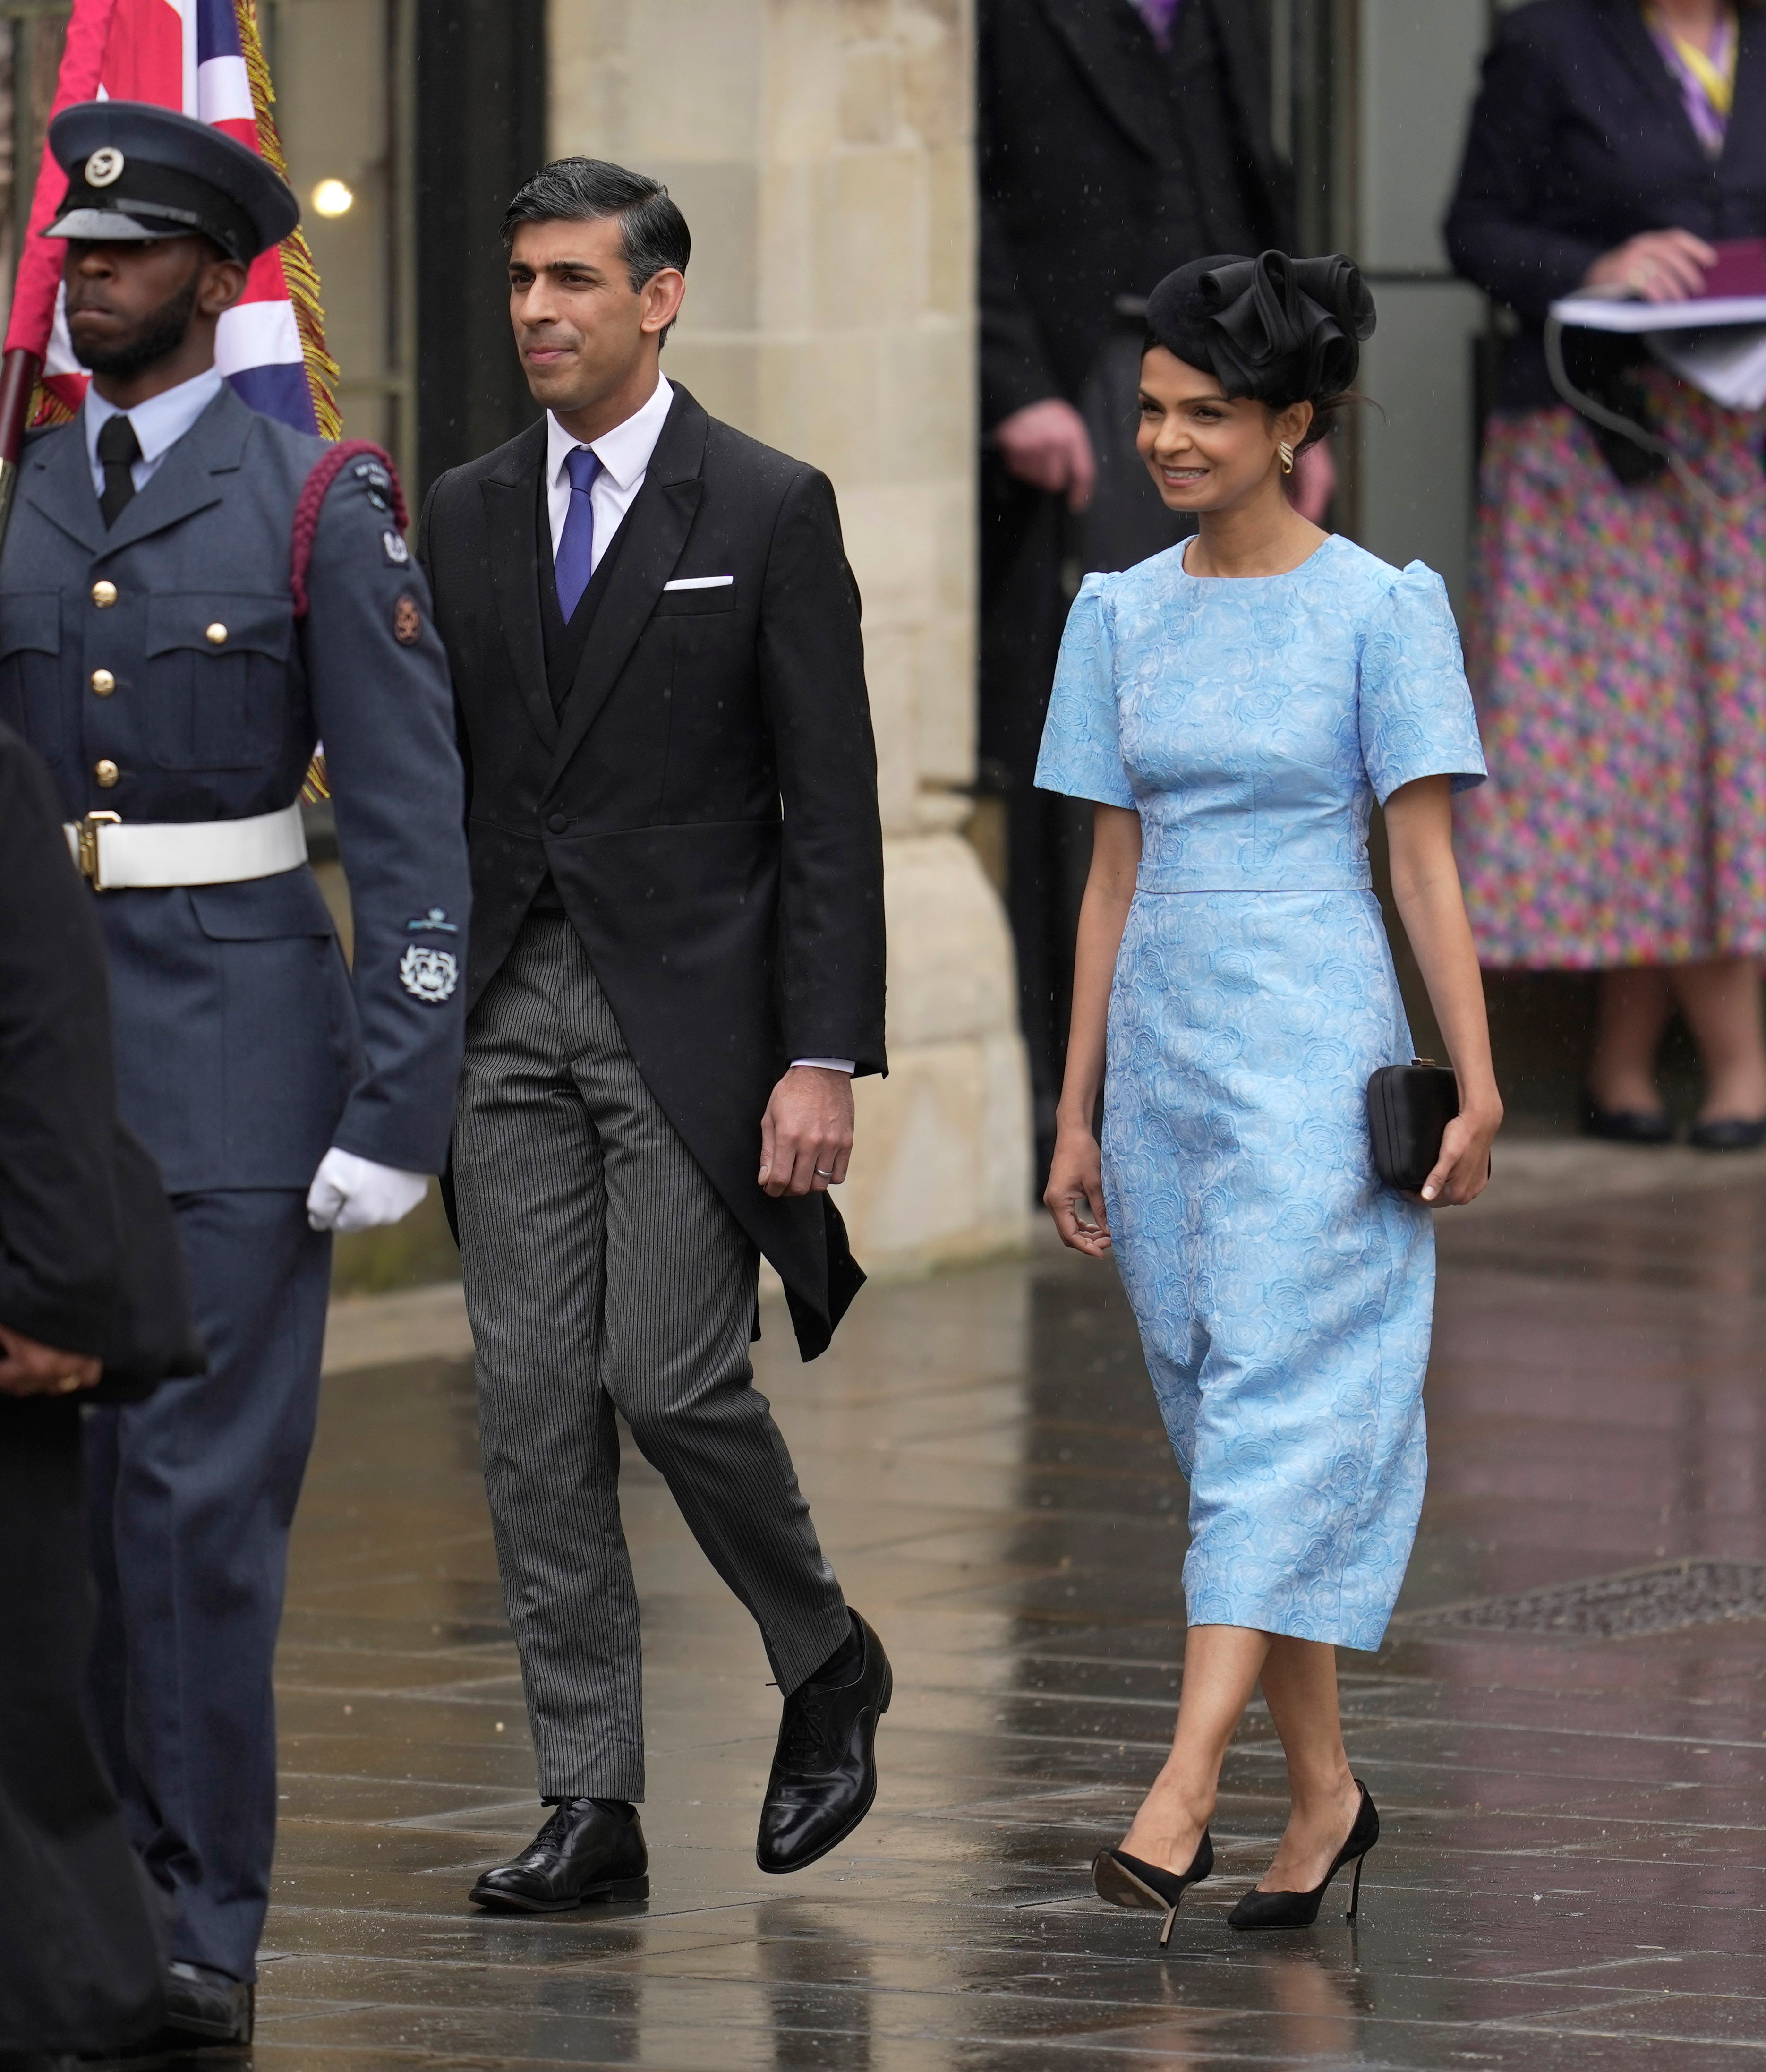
{"points": [[1300, 1910], [1125, 1880]]}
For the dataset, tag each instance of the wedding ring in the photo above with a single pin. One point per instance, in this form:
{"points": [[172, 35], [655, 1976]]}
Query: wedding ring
{"points": [[822, 1173]]}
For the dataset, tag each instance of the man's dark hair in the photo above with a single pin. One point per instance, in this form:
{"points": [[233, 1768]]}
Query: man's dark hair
{"points": [[653, 233]]}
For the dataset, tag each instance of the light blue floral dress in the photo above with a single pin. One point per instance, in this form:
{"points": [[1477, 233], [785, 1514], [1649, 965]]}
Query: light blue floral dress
{"points": [[1284, 1295]]}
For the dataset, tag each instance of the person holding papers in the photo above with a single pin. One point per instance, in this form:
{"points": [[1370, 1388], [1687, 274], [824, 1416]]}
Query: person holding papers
{"points": [[1618, 634]]}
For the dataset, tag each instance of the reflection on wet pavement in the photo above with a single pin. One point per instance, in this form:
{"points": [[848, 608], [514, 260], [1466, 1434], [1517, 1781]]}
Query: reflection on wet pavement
{"points": [[1571, 1868]]}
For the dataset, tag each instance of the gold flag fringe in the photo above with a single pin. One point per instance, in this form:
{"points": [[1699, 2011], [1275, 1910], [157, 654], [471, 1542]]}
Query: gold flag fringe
{"points": [[301, 276]]}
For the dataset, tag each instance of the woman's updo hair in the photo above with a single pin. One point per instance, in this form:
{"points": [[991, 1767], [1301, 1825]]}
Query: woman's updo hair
{"points": [[1280, 330]]}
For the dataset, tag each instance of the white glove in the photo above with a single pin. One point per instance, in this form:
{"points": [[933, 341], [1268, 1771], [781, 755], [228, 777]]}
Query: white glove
{"points": [[352, 1194]]}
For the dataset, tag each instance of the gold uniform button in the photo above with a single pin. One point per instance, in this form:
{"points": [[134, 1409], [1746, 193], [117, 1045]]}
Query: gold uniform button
{"points": [[106, 772], [217, 635], [104, 594], [103, 682]]}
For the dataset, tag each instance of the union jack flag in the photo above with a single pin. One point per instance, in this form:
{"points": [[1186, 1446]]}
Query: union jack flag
{"points": [[203, 57]]}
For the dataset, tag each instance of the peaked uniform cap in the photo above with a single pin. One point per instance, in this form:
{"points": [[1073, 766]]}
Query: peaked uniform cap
{"points": [[138, 171]]}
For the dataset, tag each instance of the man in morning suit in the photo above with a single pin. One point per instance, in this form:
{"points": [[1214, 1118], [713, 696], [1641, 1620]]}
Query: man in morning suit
{"points": [[676, 967], [154, 651]]}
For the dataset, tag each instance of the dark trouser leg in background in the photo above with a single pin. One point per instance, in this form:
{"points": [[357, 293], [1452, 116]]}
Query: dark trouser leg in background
{"points": [[80, 1963], [1025, 535], [603, 1272], [192, 1495]]}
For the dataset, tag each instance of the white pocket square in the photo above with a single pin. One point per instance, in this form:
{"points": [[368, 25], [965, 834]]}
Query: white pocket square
{"points": [[699, 582]]}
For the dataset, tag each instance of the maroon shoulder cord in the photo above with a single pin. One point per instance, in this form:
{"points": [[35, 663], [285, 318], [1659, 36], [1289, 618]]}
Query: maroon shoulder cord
{"points": [[306, 511]]}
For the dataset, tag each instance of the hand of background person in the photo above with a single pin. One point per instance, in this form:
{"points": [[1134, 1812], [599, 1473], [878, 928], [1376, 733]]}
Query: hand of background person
{"points": [[30, 1369], [1074, 1196], [352, 1194], [1046, 444], [1662, 266], [806, 1132], [1314, 482]]}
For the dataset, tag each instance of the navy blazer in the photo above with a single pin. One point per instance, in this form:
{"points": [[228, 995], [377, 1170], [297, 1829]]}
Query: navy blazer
{"points": [[1579, 139], [243, 1051]]}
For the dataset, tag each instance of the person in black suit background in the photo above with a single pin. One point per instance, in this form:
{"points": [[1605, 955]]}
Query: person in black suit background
{"points": [[93, 1305], [676, 968], [1624, 827], [1117, 140]]}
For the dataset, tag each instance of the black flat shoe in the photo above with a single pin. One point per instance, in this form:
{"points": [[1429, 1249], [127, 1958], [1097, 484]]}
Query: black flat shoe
{"points": [[1627, 1125], [1734, 1133], [1125, 1880], [584, 1852], [824, 1767], [1300, 1910]]}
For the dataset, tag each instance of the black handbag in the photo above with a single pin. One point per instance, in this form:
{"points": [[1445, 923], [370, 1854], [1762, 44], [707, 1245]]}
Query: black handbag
{"points": [[1409, 1107]]}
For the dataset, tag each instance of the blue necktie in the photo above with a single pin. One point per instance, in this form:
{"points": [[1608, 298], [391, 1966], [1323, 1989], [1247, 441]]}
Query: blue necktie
{"points": [[574, 562]]}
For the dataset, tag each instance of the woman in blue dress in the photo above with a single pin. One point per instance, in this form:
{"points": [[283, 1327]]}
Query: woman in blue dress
{"points": [[1233, 707]]}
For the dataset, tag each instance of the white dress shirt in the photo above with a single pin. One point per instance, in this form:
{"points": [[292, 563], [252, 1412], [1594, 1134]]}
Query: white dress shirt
{"points": [[159, 423], [624, 454]]}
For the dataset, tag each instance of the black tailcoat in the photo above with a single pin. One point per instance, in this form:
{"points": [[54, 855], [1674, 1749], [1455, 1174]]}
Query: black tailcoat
{"points": [[703, 798]]}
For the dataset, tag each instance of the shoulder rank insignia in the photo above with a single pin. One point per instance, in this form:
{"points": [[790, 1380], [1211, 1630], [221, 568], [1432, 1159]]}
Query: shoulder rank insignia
{"points": [[407, 620], [376, 481], [396, 551]]}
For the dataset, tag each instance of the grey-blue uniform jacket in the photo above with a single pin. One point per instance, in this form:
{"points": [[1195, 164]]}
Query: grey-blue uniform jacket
{"points": [[244, 1051]]}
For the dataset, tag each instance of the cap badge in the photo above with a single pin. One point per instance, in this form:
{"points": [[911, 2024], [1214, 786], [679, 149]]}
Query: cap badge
{"points": [[104, 167]]}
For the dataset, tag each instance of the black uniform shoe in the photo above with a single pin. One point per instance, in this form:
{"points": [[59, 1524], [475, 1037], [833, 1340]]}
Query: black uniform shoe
{"points": [[1625, 1125], [825, 1769], [584, 1852], [1734, 1133], [203, 2006]]}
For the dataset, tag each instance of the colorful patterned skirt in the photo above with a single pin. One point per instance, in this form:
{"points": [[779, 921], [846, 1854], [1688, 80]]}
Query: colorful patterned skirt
{"points": [[1617, 653]]}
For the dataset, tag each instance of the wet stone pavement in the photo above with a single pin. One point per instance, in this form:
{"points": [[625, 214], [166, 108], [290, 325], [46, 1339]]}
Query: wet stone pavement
{"points": [[1570, 1871]]}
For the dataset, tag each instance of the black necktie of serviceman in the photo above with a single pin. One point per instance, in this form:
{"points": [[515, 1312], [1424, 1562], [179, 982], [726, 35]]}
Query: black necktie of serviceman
{"points": [[119, 449]]}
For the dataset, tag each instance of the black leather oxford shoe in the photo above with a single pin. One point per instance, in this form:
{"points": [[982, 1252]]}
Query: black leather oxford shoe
{"points": [[204, 2007], [825, 1769], [583, 1852]]}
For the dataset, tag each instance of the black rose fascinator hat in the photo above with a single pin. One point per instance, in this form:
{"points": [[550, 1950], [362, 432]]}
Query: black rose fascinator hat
{"points": [[1282, 330]]}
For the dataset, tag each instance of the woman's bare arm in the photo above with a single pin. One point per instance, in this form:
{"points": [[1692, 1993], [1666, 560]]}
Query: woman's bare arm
{"points": [[1074, 1195], [1426, 885]]}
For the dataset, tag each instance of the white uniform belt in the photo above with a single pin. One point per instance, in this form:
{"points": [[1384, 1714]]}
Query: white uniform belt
{"points": [[115, 855]]}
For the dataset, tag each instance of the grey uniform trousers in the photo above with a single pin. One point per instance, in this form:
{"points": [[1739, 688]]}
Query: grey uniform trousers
{"points": [[603, 1272]]}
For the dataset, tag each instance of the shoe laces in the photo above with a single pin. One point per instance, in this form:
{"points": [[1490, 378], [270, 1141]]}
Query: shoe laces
{"points": [[808, 1733], [553, 1834]]}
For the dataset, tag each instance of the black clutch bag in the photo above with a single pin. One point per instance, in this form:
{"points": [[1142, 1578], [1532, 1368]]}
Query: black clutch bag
{"points": [[1409, 1107]]}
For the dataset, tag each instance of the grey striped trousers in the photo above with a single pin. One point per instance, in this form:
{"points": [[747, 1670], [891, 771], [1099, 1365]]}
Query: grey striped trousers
{"points": [[603, 1272]]}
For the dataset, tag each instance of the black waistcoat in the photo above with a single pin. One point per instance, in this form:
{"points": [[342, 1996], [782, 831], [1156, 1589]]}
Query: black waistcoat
{"points": [[564, 643]]}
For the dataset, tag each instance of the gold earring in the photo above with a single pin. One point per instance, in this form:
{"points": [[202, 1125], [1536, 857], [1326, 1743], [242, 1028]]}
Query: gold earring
{"points": [[1286, 453]]}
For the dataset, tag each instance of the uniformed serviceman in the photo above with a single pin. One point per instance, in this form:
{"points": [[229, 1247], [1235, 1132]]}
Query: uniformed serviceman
{"points": [[153, 650]]}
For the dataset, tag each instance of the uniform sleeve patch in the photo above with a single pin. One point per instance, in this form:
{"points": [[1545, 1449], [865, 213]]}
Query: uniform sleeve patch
{"points": [[396, 551], [376, 483], [427, 975], [407, 620]]}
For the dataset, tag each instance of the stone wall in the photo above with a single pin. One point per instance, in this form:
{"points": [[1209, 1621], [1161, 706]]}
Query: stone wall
{"points": [[821, 151]]}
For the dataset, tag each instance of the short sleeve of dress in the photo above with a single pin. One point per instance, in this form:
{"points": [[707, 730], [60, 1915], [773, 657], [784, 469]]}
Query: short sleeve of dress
{"points": [[1416, 712], [1082, 744]]}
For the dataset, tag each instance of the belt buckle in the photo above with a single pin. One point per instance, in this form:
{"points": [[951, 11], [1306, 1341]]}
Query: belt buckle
{"points": [[88, 831]]}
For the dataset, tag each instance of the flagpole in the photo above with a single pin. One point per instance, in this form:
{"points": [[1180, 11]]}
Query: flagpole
{"points": [[18, 372]]}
